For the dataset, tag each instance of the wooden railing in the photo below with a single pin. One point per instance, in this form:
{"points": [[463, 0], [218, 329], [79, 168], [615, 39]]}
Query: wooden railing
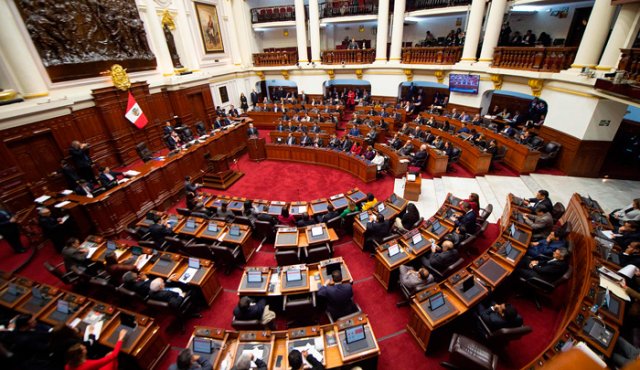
{"points": [[283, 58], [431, 4], [432, 55], [630, 62], [354, 56], [341, 8], [552, 59], [273, 14]]}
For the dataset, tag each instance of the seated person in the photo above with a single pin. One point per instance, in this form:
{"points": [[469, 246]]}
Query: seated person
{"points": [[467, 219], [499, 316], [224, 213], [541, 223], [27, 344], [305, 220], [628, 213], [249, 310], [396, 142], [356, 148], [334, 142], [331, 214], [108, 179], [246, 361], [135, 282], [369, 153], [420, 156], [548, 245], [477, 120], [296, 362], [542, 197], [74, 256], [115, 269], [405, 129], [474, 201], [631, 255], [371, 136], [173, 140], [355, 131], [285, 218], [457, 235], [376, 231], [408, 219], [550, 270], [170, 291], [440, 260], [338, 296], [159, 229], [508, 131], [347, 144], [411, 278], [406, 149], [625, 353], [84, 188], [627, 233], [525, 137], [463, 130], [465, 117], [188, 361], [280, 126], [371, 201], [351, 207], [291, 140]]}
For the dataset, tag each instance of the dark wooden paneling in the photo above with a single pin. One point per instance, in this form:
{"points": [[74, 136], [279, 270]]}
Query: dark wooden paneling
{"points": [[577, 157], [462, 108], [512, 103]]}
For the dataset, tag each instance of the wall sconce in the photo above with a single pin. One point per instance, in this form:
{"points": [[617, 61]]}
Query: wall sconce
{"points": [[361, 28], [285, 33]]}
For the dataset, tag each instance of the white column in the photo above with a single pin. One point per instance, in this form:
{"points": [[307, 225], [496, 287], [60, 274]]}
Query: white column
{"points": [[314, 30], [594, 35], [492, 32], [397, 31], [229, 23], [383, 31], [158, 42], [624, 31], [301, 32], [30, 83], [242, 14], [186, 48], [472, 33]]}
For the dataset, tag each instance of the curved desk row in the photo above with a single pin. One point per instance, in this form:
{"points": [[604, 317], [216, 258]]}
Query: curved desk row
{"points": [[269, 119], [157, 183], [364, 170], [144, 343], [518, 156]]}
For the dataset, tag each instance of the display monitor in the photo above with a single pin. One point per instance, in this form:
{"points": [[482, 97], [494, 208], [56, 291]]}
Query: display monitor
{"points": [[294, 275], [507, 249], [201, 345], [364, 216], [355, 334], [436, 301], [194, 263], [191, 224], [468, 284], [136, 251], [435, 226], [393, 198], [212, 227], [380, 207], [416, 238], [37, 292], [464, 83], [62, 306], [254, 276], [393, 250], [234, 231], [316, 231], [111, 245], [127, 320]]}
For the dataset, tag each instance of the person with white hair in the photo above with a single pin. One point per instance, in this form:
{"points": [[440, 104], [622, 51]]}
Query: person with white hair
{"points": [[246, 360]]}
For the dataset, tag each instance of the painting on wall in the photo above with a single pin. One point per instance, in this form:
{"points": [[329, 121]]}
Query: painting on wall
{"points": [[224, 95], [209, 28]]}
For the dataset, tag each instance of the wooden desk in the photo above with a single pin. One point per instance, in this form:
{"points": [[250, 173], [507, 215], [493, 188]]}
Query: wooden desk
{"points": [[436, 162], [364, 170], [397, 164], [412, 189]]}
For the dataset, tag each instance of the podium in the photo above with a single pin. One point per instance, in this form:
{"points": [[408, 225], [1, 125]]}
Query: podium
{"points": [[257, 151], [218, 175], [412, 188]]}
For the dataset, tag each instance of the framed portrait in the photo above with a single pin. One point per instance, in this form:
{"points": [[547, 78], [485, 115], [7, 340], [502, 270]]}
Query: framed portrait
{"points": [[209, 27]]}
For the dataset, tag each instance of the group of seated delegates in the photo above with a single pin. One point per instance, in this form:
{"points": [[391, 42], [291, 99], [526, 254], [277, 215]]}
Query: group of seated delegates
{"points": [[453, 38], [291, 127], [425, 136], [347, 97], [508, 38]]}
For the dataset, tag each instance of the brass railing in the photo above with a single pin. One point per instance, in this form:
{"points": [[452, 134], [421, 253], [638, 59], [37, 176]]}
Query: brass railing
{"points": [[282, 58], [552, 59], [432, 55], [349, 56], [630, 62]]}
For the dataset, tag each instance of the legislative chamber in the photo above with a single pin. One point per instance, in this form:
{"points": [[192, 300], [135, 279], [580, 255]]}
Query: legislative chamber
{"points": [[303, 184]]}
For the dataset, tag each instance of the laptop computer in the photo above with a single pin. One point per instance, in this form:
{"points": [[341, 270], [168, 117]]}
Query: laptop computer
{"points": [[254, 277], [436, 301], [355, 338], [294, 275], [517, 234], [201, 345]]}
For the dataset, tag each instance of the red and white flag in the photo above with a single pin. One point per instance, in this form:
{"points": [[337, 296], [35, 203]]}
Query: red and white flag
{"points": [[135, 113]]}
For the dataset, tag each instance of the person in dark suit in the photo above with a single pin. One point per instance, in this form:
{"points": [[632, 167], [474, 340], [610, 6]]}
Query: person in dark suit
{"points": [[233, 112], [172, 292], [355, 131], [296, 362], [108, 179], [305, 140], [376, 231], [346, 144], [189, 185], [252, 131], [508, 131], [631, 255], [331, 214], [338, 296], [542, 198], [420, 156], [167, 129], [53, 228], [280, 127], [248, 309], [467, 219], [541, 223], [548, 245], [254, 98], [79, 153], [549, 270], [158, 230], [628, 233], [492, 148], [10, 229], [217, 124], [406, 149], [73, 255], [188, 361], [499, 316], [84, 189], [28, 345], [396, 142], [443, 259], [69, 173], [291, 140], [334, 142], [138, 283]]}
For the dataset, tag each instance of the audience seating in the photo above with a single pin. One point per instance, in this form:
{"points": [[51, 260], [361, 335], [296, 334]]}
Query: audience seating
{"points": [[499, 339], [548, 153], [536, 143], [542, 288], [441, 275], [467, 354], [466, 244], [57, 271], [318, 253], [336, 224], [286, 257], [247, 324], [227, 257]]}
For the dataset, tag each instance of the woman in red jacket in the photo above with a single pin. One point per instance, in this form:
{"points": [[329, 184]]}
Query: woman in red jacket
{"points": [[77, 357]]}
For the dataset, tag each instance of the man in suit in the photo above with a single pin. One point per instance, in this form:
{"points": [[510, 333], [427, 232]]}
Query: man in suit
{"points": [[440, 260], [406, 149], [541, 223], [550, 270], [254, 98], [420, 156], [233, 112], [73, 255], [376, 231], [548, 245], [315, 128], [296, 362], [499, 316], [395, 143], [53, 228], [467, 219], [248, 309], [189, 186], [188, 361], [220, 112], [334, 142], [69, 173], [318, 142], [331, 214], [542, 198], [10, 230], [346, 144], [28, 345], [371, 136], [167, 129], [305, 140], [508, 131], [628, 233], [631, 255], [291, 140], [217, 124], [158, 230], [79, 153], [174, 293], [411, 278], [84, 189], [355, 131], [280, 127], [338, 296], [138, 283], [108, 179], [252, 131]]}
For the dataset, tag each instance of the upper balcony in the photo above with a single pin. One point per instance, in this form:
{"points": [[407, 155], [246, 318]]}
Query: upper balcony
{"points": [[414, 5], [443, 55], [539, 58], [282, 13], [274, 57], [331, 9], [626, 81]]}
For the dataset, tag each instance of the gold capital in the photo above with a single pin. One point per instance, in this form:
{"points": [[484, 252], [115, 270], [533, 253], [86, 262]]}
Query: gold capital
{"points": [[409, 74], [536, 86], [439, 75], [497, 81]]}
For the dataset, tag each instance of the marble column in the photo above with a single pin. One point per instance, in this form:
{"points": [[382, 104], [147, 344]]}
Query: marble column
{"points": [[472, 33], [397, 31], [227, 20], [622, 36], [20, 62], [158, 42], [492, 32], [594, 35], [383, 31], [242, 15], [301, 32], [314, 30]]}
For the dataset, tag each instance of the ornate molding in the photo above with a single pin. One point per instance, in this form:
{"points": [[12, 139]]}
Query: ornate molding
{"points": [[163, 3], [285, 74], [439, 75], [536, 86], [409, 74], [167, 20], [497, 81], [331, 73], [260, 75], [359, 74]]}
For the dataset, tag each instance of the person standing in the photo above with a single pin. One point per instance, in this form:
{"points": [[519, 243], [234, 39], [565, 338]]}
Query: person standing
{"points": [[10, 229], [79, 153], [243, 103], [254, 98]]}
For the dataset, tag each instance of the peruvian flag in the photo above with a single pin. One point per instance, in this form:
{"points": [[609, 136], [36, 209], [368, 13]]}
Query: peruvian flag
{"points": [[134, 113]]}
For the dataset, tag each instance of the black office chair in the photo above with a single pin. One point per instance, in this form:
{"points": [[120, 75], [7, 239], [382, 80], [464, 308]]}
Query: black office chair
{"points": [[481, 228], [499, 156], [180, 313], [128, 297], [100, 286], [466, 244], [536, 143], [499, 339], [176, 244], [150, 244], [68, 278], [347, 222], [243, 220], [318, 253], [441, 275], [143, 152], [200, 129], [355, 308], [485, 213], [539, 288], [336, 224], [286, 257], [200, 215], [228, 257], [548, 153], [455, 158], [184, 211], [199, 250], [467, 354], [299, 309], [138, 233], [247, 324], [265, 231]]}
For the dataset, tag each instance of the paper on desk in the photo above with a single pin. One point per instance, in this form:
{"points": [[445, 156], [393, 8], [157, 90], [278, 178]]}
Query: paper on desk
{"points": [[64, 219], [97, 329], [221, 237], [131, 173], [311, 349], [122, 181], [614, 288], [404, 161], [75, 322], [256, 352], [187, 276], [144, 258], [608, 233], [42, 199], [62, 204], [91, 251], [66, 192]]}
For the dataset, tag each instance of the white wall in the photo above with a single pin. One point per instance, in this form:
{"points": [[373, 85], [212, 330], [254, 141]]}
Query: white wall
{"points": [[338, 31], [606, 110], [274, 38], [439, 27], [542, 21]]}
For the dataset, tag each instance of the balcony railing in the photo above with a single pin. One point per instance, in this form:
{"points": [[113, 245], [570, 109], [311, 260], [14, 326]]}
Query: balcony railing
{"points": [[432, 4], [630, 62], [345, 8], [432, 55], [349, 56], [283, 58], [552, 59], [273, 14]]}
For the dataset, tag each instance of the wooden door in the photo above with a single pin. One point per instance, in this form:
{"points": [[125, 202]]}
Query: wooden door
{"points": [[37, 155]]}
